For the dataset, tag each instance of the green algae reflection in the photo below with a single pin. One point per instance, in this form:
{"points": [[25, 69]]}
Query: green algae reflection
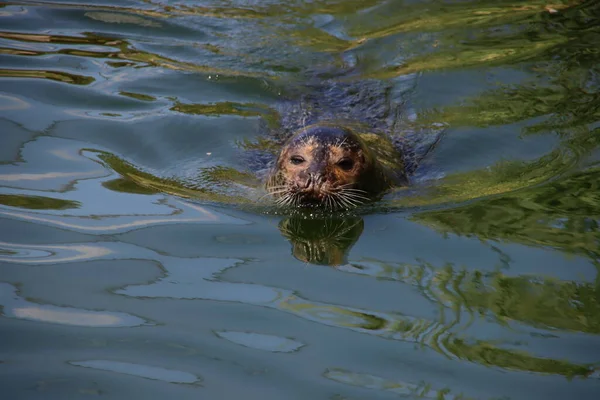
{"points": [[541, 302], [562, 214], [134, 180], [230, 108], [59, 76], [480, 33], [37, 202], [559, 97], [444, 338]]}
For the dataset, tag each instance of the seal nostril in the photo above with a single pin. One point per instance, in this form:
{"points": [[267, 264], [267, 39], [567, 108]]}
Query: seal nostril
{"points": [[314, 181], [309, 181]]}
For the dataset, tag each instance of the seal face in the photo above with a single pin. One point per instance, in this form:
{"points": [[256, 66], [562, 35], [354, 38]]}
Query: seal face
{"points": [[326, 166]]}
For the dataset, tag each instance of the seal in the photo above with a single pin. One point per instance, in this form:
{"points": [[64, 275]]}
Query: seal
{"points": [[332, 166], [337, 141]]}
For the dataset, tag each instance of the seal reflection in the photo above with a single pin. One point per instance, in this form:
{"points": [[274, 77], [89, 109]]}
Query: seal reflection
{"points": [[322, 241]]}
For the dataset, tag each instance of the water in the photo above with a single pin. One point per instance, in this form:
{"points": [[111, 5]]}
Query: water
{"points": [[134, 261]]}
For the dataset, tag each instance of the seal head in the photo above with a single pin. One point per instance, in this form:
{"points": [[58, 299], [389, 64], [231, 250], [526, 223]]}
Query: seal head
{"points": [[328, 166]]}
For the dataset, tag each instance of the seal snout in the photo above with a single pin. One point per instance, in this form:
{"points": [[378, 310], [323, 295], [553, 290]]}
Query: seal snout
{"points": [[314, 181], [313, 186]]}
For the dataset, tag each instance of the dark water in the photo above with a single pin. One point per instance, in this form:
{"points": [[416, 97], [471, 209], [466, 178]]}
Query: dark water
{"points": [[133, 265]]}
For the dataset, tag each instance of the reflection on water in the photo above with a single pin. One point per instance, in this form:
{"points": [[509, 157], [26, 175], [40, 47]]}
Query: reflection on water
{"points": [[324, 241], [436, 336], [52, 254], [563, 214], [114, 211], [134, 137], [403, 389], [540, 302], [261, 341], [14, 306], [143, 371], [199, 279]]}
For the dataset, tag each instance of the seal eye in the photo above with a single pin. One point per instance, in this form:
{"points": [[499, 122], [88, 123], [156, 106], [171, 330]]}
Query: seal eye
{"points": [[296, 160], [346, 164]]}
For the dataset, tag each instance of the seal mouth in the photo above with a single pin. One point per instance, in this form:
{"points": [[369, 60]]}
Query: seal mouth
{"points": [[311, 200], [330, 202], [320, 197]]}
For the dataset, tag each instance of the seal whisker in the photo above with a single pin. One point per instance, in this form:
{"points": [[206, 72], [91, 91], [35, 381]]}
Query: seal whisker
{"points": [[275, 187], [348, 201], [328, 202], [349, 189], [328, 199], [335, 201], [296, 200], [288, 200], [358, 199], [355, 197], [354, 202], [272, 194], [349, 193], [354, 190], [332, 201], [284, 200], [355, 193], [272, 189], [275, 192], [341, 200], [340, 144]]}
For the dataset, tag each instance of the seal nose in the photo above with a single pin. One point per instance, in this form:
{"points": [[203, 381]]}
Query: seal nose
{"points": [[314, 180]]}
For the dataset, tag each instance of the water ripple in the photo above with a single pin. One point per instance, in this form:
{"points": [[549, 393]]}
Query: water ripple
{"points": [[403, 389], [15, 306], [261, 341], [143, 371], [121, 117], [51, 254], [183, 280]]}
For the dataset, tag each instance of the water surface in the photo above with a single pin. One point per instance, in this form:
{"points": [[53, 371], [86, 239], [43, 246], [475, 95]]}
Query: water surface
{"points": [[135, 261]]}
